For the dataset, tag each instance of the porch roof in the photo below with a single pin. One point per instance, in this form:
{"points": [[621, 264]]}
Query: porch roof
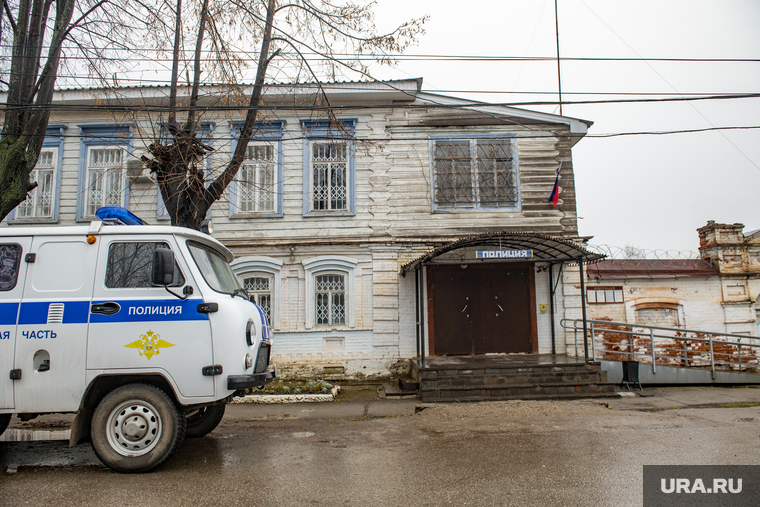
{"points": [[545, 248]]}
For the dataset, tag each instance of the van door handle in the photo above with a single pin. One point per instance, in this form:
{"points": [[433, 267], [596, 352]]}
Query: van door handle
{"points": [[106, 308]]}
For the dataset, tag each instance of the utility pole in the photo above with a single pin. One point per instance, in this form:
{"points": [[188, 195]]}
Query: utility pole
{"points": [[559, 73]]}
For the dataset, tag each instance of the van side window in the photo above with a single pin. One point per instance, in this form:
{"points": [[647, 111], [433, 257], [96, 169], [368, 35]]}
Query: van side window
{"points": [[10, 258], [130, 265]]}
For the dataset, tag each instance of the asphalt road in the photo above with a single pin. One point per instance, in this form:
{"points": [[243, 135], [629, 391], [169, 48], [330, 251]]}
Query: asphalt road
{"points": [[584, 453]]}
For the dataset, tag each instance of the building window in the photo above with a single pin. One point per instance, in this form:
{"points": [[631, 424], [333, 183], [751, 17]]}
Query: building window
{"points": [[40, 201], [475, 173], [658, 317], [102, 168], [330, 290], [599, 295], [329, 178], [256, 178], [105, 178], [10, 258], [41, 204], [330, 299], [260, 276], [256, 190], [329, 167], [204, 132], [260, 286]]}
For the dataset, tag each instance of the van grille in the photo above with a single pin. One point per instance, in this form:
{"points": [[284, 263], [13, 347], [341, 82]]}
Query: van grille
{"points": [[55, 313]]}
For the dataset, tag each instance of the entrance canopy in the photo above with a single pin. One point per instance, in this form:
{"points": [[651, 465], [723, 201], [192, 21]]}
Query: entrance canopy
{"points": [[544, 248]]}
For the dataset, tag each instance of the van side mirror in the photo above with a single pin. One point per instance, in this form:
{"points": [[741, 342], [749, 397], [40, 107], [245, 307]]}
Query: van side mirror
{"points": [[163, 266]]}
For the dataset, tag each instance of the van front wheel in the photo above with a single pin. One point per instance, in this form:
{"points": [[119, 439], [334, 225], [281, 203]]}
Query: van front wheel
{"points": [[203, 422], [136, 427]]}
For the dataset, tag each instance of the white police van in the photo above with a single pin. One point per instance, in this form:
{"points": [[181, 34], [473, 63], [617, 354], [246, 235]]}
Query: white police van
{"points": [[144, 332]]}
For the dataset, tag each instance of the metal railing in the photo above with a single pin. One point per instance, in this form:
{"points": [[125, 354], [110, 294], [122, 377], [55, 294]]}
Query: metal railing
{"points": [[665, 346]]}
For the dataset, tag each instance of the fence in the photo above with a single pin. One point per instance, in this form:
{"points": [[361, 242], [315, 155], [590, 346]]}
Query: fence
{"points": [[686, 348]]}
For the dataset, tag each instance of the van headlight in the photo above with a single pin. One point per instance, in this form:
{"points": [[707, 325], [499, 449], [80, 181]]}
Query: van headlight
{"points": [[248, 361], [250, 332]]}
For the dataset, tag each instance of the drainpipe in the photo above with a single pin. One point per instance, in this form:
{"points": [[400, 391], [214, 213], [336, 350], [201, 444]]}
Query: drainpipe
{"points": [[551, 306], [583, 309]]}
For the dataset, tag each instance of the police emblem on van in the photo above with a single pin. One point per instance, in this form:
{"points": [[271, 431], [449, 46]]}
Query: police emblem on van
{"points": [[149, 344]]}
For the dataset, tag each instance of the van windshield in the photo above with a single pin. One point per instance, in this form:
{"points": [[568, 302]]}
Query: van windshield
{"points": [[214, 268]]}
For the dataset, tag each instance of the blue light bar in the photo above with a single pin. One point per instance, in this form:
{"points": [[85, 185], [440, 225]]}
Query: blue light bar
{"points": [[118, 215]]}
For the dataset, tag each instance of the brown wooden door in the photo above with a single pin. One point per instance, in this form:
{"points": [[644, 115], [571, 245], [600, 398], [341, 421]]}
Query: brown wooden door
{"points": [[482, 309]]}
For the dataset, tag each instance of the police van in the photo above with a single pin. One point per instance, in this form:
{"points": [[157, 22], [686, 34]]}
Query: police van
{"points": [[143, 331]]}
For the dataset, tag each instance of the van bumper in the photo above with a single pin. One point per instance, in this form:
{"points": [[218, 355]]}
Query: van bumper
{"points": [[235, 382]]}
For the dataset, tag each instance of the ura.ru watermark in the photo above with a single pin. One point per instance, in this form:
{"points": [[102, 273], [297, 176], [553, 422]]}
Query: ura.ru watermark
{"points": [[703, 485]]}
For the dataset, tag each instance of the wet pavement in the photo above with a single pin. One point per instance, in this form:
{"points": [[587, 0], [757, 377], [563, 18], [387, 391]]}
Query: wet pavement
{"points": [[385, 452]]}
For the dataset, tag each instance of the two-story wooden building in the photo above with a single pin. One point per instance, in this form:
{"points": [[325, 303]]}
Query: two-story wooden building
{"points": [[405, 221]]}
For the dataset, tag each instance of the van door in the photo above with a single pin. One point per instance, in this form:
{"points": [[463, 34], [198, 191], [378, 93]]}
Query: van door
{"points": [[12, 273], [51, 334], [136, 327]]}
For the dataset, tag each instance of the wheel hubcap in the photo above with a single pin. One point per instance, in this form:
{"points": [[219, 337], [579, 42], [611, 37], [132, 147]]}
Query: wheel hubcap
{"points": [[134, 428]]}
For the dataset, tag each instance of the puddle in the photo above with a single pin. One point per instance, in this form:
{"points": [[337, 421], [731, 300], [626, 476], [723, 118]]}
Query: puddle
{"points": [[22, 435]]}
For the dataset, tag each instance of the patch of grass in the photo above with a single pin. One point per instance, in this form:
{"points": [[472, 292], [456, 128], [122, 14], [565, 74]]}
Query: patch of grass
{"points": [[297, 387]]}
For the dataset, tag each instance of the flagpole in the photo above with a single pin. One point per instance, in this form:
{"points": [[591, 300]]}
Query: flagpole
{"points": [[559, 77]]}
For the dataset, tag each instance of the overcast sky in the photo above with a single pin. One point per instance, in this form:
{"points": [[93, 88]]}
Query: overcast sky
{"points": [[648, 191]]}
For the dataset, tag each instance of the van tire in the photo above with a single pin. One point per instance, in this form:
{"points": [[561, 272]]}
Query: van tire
{"points": [[5, 420], [136, 427], [205, 420]]}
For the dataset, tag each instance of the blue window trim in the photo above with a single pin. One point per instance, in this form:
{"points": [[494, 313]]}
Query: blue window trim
{"points": [[207, 134], [321, 130], [100, 135], [54, 137], [271, 131], [476, 207]]}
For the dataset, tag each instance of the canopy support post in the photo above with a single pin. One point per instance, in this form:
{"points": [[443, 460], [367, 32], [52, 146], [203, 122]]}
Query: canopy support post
{"points": [[583, 310]]}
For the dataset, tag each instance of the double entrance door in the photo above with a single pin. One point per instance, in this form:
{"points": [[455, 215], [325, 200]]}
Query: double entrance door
{"points": [[481, 309]]}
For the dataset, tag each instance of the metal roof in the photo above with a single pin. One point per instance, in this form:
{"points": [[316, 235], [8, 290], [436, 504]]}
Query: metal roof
{"points": [[623, 269], [545, 247]]}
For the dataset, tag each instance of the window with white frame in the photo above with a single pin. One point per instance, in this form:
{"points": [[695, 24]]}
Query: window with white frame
{"points": [[475, 173], [256, 179], [329, 176], [330, 299], [261, 286], [104, 177], [39, 202]]}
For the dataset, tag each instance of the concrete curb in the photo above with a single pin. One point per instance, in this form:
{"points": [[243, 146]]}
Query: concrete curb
{"points": [[287, 398]]}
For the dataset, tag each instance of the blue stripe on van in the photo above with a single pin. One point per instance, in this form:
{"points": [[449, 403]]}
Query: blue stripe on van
{"points": [[35, 313], [150, 310], [8, 314]]}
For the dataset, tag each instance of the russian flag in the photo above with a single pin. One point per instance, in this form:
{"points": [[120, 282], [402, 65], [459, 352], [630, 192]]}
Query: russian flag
{"points": [[554, 197]]}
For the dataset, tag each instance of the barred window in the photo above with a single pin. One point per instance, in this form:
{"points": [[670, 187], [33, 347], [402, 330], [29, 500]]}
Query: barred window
{"points": [[474, 173], [39, 202], [255, 179], [260, 286], [329, 176], [105, 178], [330, 299]]}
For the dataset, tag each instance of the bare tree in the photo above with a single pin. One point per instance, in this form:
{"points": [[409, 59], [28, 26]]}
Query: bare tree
{"points": [[307, 38], [45, 36]]}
